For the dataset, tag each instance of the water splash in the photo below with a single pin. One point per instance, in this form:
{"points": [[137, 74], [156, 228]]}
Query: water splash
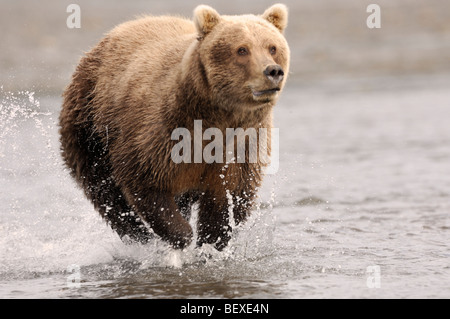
{"points": [[47, 224]]}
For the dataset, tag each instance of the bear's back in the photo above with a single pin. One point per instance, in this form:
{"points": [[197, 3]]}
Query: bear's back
{"points": [[133, 57], [152, 29], [147, 38]]}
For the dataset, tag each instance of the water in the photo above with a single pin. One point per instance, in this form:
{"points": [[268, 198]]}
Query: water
{"points": [[363, 182]]}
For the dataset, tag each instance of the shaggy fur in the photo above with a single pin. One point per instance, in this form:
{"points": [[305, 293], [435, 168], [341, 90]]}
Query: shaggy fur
{"points": [[150, 76]]}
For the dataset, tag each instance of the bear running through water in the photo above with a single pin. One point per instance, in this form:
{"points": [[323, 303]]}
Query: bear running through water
{"points": [[145, 79]]}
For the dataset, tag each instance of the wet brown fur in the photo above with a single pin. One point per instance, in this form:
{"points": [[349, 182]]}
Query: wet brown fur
{"points": [[148, 77]]}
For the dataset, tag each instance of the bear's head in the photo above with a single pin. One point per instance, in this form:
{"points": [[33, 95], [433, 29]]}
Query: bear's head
{"points": [[245, 59]]}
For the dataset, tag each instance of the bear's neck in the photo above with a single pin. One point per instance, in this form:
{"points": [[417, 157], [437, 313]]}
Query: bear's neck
{"points": [[194, 101]]}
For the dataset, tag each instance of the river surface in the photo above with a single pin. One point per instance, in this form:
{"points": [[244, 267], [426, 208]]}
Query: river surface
{"points": [[358, 209]]}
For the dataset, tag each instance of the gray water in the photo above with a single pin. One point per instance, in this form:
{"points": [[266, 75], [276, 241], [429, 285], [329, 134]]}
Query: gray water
{"points": [[359, 208]]}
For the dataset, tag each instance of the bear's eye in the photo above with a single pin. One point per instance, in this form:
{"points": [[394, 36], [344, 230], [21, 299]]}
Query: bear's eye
{"points": [[273, 50], [242, 51]]}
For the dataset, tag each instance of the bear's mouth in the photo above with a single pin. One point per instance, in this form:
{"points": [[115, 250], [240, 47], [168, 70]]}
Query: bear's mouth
{"points": [[265, 92]]}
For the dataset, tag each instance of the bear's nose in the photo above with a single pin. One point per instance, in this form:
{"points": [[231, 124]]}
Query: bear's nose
{"points": [[274, 73]]}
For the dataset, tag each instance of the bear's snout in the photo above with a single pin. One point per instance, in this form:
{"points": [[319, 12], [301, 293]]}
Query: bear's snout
{"points": [[274, 73]]}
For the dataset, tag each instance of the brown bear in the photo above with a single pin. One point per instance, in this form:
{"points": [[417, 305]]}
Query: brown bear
{"points": [[145, 79]]}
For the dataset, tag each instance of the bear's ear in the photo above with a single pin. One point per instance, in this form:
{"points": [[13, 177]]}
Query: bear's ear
{"points": [[205, 19], [277, 15]]}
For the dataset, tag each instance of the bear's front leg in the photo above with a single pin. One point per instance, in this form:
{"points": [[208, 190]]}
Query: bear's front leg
{"points": [[213, 221], [164, 217], [185, 202], [214, 215]]}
